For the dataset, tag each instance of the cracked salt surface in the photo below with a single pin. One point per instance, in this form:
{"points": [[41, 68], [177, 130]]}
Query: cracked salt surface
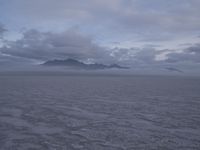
{"points": [[99, 113]]}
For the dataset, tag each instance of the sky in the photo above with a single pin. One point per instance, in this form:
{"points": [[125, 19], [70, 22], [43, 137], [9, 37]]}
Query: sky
{"points": [[136, 33]]}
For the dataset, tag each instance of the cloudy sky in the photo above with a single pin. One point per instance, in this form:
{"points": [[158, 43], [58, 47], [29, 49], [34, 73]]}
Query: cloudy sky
{"points": [[136, 33]]}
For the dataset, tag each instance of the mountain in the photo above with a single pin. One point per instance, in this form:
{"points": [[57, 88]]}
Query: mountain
{"points": [[174, 69], [67, 62], [77, 64]]}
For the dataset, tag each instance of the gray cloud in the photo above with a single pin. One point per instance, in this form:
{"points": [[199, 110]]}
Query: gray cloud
{"points": [[149, 28], [35, 47], [147, 56], [194, 49], [7, 60], [135, 56], [152, 20], [43, 46], [2, 30], [190, 54]]}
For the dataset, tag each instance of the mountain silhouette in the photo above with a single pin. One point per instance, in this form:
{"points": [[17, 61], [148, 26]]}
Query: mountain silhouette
{"points": [[73, 63], [174, 69]]}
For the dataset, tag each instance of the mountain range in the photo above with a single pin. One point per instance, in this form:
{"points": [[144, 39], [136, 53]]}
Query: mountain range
{"points": [[73, 63]]}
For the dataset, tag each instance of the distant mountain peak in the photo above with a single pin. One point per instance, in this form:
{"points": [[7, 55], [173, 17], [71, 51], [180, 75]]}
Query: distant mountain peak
{"points": [[57, 62], [77, 64], [174, 69]]}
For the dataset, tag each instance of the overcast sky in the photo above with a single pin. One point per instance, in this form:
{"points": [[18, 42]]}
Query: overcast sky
{"points": [[130, 32]]}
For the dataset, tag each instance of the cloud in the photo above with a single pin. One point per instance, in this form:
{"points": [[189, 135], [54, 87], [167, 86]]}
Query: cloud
{"points": [[135, 56], [147, 33], [37, 46], [151, 56], [2, 30], [7, 60], [44, 46], [154, 20], [189, 54], [195, 49]]}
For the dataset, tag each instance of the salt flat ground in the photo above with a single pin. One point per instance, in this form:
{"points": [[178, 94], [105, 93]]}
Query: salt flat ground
{"points": [[61, 112]]}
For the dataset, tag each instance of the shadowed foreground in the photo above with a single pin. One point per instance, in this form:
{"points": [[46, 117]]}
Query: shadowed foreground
{"points": [[99, 113]]}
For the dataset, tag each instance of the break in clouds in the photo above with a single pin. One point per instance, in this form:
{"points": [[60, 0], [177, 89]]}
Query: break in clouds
{"points": [[134, 33]]}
